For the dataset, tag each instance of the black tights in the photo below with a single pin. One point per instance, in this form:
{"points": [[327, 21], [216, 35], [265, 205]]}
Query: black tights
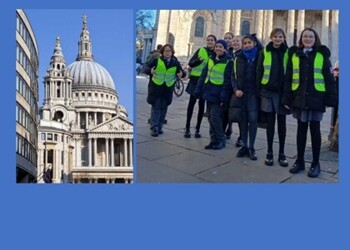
{"points": [[270, 131], [315, 140], [190, 108]]}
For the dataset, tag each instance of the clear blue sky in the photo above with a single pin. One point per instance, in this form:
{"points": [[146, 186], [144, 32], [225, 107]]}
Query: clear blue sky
{"points": [[112, 36]]}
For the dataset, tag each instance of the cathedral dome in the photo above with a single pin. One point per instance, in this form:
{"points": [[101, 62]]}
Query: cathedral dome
{"points": [[90, 73]]}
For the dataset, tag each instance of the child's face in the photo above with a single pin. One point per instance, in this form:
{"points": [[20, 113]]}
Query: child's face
{"points": [[308, 39], [277, 39], [228, 38], [248, 43], [167, 53], [210, 42], [219, 49], [237, 43]]}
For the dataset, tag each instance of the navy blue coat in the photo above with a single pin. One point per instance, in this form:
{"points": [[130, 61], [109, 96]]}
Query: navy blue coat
{"points": [[216, 93]]}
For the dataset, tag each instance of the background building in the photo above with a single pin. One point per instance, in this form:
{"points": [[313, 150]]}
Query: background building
{"points": [[85, 135], [186, 30], [26, 100]]}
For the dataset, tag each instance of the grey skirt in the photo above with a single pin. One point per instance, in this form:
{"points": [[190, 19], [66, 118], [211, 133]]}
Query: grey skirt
{"points": [[273, 104], [307, 115]]}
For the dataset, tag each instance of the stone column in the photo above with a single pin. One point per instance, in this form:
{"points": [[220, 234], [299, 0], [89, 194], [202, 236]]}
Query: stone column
{"points": [[51, 89], [259, 23], [95, 118], [76, 152], [335, 36], [107, 180], [130, 151], [112, 152], [95, 151], [78, 120], [301, 22], [113, 180], [237, 22], [125, 153], [325, 27], [86, 120], [290, 27], [107, 152], [227, 19], [268, 25], [90, 153]]}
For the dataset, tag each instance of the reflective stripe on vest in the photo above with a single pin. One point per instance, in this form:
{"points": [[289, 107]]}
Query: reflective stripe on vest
{"points": [[216, 72], [162, 74], [197, 71], [267, 65], [318, 76]]}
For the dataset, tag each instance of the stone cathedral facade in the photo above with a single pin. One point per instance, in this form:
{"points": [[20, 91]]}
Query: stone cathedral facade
{"points": [[187, 29], [84, 134]]}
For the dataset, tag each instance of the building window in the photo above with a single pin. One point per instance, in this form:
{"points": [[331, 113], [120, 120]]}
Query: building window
{"points": [[171, 39], [245, 28], [199, 28], [43, 136], [49, 136], [56, 137]]}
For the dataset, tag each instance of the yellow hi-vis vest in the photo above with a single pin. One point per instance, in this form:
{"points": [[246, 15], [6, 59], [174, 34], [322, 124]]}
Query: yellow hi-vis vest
{"points": [[197, 71], [162, 74], [267, 65], [216, 72], [318, 76]]}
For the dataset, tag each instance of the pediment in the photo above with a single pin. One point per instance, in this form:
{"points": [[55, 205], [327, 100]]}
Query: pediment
{"points": [[116, 124]]}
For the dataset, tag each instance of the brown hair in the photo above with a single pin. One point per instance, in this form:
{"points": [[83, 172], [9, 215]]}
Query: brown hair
{"points": [[275, 31], [167, 45], [317, 38]]}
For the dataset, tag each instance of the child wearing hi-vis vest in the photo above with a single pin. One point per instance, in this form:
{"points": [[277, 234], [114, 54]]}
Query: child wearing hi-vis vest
{"points": [[197, 64], [163, 72], [214, 87], [270, 79], [309, 88]]}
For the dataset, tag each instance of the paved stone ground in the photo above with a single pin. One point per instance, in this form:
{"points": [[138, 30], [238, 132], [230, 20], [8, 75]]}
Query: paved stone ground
{"points": [[171, 158]]}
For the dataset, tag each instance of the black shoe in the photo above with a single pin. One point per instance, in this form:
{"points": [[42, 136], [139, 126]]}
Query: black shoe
{"points": [[243, 152], [269, 159], [297, 167], [187, 133], [282, 160], [154, 132], [314, 170], [239, 143], [210, 145], [197, 134], [252, 154], [149, 120], [165, 121], [160, 131], [219, 145]]}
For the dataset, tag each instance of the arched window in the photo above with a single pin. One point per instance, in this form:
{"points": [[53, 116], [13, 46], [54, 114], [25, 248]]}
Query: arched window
{"points": [[199, 28], [245, 28], [171, 39]]}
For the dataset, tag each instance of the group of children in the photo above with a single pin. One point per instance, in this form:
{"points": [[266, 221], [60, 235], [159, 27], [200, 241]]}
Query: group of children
{"points": [[275, 80]]}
